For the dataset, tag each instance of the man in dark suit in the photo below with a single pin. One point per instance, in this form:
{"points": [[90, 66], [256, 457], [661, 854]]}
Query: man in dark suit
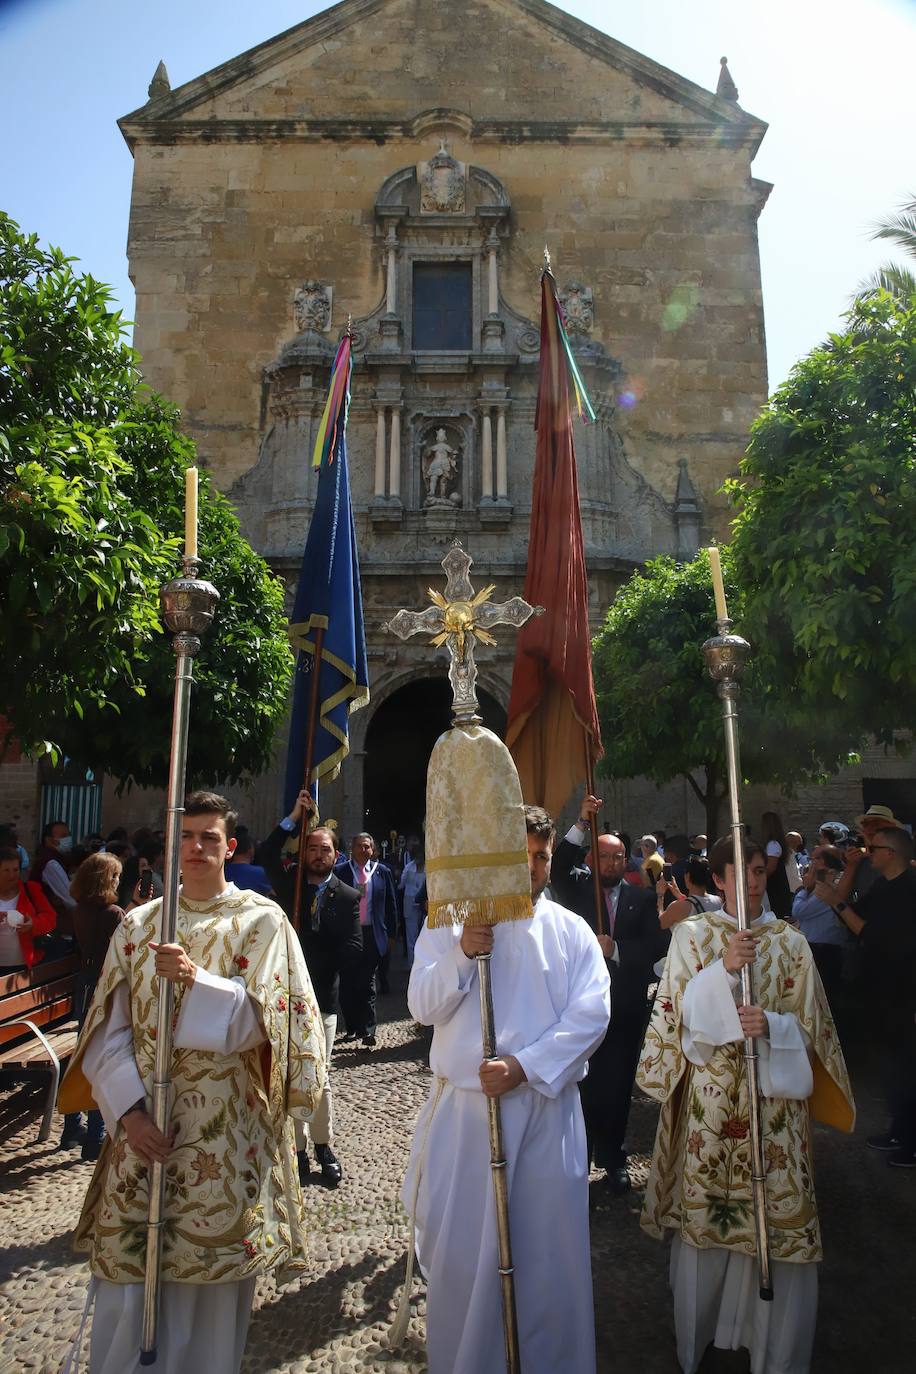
{"points": [[331, 942], [378, 918], [631, 945]]}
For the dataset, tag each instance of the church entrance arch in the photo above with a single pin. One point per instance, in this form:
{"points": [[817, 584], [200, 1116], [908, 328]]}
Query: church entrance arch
{"points": [[399, 741]]}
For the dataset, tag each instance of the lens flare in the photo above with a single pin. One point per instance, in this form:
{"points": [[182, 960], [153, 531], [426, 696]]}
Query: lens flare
{"points": [[682, 304]]}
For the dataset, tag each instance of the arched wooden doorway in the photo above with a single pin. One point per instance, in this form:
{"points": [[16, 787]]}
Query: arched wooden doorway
{"points": [[399, 742]]}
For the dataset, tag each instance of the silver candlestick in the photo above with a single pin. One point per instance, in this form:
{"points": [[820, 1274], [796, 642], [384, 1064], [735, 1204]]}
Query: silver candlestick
{"points": [[188, 607]]}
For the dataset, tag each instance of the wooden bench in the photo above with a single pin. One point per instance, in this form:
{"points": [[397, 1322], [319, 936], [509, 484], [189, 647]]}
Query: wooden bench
{"points": [[38, 1028]]}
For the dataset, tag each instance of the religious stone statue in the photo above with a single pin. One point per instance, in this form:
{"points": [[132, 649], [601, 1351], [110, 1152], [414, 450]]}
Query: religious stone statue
{"points": [[440, 467]]}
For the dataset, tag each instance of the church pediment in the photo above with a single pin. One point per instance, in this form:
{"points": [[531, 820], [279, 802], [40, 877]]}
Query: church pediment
{"points": [[519, 68]]}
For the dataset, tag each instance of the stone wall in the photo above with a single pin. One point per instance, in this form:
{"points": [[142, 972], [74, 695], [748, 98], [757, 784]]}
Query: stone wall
{"points": [[295, 164]]}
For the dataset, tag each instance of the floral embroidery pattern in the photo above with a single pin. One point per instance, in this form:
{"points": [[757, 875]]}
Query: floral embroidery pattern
{"points": [[776, 1157], [206, 1167], [228, 1212], [700, 1180]]}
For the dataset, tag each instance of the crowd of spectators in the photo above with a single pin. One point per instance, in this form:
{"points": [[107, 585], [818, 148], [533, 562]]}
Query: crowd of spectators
{"points": [[852, 893]]}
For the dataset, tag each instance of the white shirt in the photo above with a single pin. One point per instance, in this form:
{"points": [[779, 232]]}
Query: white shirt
{"points": [[551, 998], [709, 1018], [54, 877]]}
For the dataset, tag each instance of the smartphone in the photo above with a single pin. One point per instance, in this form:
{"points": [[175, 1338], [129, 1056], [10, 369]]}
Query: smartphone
{"points": [[146, 885], [667, 873]]}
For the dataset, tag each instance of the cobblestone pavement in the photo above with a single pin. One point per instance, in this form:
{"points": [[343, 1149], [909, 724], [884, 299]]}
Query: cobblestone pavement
{"points": [[336, 1320]]}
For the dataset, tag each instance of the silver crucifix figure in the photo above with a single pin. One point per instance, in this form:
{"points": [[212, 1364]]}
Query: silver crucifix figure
{"points": [[456, 620]]}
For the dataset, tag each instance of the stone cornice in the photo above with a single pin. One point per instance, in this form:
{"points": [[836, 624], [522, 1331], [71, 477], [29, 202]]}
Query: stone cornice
{"points": [[639, 133], [425, 568]]}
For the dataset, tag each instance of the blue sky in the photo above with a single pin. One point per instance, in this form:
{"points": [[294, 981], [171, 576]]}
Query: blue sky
{"points": [[833, 80]]}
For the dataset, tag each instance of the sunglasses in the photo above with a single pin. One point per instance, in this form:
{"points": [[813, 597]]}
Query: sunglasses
{"points": [[872, 847]]}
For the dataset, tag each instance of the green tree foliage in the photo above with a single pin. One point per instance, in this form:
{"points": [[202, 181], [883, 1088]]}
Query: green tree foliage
{"points": [[895, 278], [824, 541], [660, 714], [91, 494]]}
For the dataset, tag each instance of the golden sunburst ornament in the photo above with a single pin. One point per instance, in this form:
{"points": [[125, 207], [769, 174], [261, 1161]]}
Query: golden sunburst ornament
{"points": [[458, 618]]}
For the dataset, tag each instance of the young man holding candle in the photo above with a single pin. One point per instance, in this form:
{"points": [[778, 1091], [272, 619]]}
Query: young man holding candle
{"points": [[700, 1181], [248, 1053]]}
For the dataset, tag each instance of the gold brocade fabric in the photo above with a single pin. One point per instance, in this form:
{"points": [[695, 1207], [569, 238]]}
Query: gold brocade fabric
{"points": [[700, 1179], [476, 841], [233, 1205]]}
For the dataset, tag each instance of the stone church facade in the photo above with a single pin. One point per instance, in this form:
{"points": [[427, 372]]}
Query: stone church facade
{"points": [[403, 163]]}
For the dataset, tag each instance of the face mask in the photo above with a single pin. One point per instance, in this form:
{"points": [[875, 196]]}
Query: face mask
{"points": [[65, 844]]}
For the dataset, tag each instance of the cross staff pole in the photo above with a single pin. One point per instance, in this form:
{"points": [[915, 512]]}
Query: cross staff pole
{"points": [[457, 620]]}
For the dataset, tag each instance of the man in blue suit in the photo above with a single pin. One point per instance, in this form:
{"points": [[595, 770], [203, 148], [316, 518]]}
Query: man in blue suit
{"points": [[378, 919]]}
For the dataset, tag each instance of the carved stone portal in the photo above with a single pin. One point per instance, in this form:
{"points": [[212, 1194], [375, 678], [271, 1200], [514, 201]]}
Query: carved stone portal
{"points": [[443, 184], [579, 309], [312, 306], [440, 462]]}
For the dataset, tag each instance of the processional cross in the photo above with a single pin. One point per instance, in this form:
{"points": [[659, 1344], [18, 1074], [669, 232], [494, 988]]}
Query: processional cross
{"points": [[457, 620]]}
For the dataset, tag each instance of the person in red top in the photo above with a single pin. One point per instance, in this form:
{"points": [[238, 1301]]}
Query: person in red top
{"points": [[24, 913]]}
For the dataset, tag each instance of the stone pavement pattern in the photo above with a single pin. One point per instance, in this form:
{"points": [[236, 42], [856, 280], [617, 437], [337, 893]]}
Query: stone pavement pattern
{"points": [[335, 1320]]}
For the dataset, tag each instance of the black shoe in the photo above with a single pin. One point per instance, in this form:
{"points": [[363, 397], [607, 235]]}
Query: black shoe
{"points": [[331, 1172], [305, 1169], [369, 1042], [903, 1159], [344, 1036], [887, 1143], [617, 1181], [75, 1137], [91, 1150]]}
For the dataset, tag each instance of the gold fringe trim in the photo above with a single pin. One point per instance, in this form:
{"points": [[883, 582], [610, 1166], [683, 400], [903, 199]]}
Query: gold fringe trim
{"points": [[506, 859], [480, 911]]}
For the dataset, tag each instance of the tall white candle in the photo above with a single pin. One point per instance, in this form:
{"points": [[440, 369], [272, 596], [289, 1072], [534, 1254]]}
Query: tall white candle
{"points": [[190, 513], [718, 586]]}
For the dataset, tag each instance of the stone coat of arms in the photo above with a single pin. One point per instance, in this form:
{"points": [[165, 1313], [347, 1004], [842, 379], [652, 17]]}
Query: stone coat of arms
{"points": [[443, 183]]}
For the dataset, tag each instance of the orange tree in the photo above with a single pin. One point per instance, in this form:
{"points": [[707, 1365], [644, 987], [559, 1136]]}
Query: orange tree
{"points": [[91, 491]]}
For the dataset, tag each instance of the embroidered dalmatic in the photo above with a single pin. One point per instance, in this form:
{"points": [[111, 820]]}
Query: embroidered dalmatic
{"points": [[233, 1205], [700, 1180]]}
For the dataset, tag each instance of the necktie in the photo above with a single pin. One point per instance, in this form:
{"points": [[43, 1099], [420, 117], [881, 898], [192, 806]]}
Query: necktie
{"points": [[313, 906], [610, 902]]}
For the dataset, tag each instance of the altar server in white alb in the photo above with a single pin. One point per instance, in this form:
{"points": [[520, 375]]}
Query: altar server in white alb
{"points": [[248, 1052], [700, 1182], [551, 1004]]}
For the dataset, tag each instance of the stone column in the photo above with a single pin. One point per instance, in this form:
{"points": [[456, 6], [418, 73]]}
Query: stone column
{"points": [[391, 285], [502, 461], [493, 276], [380, 453], [486, 457], [394, 462]]}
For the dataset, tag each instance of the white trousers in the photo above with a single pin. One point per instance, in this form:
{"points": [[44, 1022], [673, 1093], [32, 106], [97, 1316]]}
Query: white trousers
{"points": [[716, 1299], [202, 1327], [321, 1126]]}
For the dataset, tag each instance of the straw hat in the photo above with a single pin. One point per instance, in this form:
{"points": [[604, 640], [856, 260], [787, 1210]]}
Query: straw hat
{"points": [[884, 814]]}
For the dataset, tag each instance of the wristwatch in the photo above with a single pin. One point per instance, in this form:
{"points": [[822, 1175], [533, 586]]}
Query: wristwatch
{"points": [[841, 907], [584, 822], [137, 1107]]}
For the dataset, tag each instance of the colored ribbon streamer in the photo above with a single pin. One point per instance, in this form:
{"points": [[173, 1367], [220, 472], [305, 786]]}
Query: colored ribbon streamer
{"points": [[334, 417], [583, 404]]}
